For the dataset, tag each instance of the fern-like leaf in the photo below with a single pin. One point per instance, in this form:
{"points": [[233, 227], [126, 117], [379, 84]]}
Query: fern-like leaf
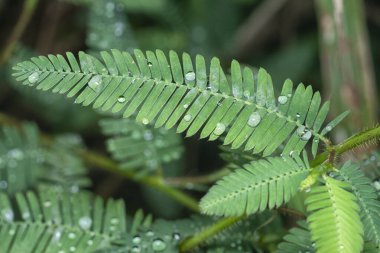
{"points": [[243, 109], [367, 198], [261, 184], [334, 220], [298, 240], [58, 222], [139, 146], [24, 162]]}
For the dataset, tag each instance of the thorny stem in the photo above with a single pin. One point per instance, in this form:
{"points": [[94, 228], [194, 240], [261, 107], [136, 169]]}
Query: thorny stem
{"points": [[26, 14]]}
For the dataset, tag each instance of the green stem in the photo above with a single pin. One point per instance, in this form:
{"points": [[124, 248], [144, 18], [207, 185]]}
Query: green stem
{"points": [[26, 14], [212, 230], [204, 179]]}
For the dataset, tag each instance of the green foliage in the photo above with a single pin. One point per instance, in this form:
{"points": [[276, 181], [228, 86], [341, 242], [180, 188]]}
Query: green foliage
{"points": [[262, 184], [334, 218], [367, 199], [140, 147], [245, 110], [25, 162], [298, 240], [51, 221]]}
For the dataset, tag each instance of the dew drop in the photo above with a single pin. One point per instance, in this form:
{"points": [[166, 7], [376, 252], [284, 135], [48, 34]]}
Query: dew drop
{"points": [[187, 117], [114, 221], [71, 235], [190, 76], [219, 129], [136, 249], [301, 130], [95, 83], [3, 184], [282, 99], [121, 99], [148, 135], [26, 215], [12, 232], [47, 204], [254, 119], [307, 189], [246, 94], [90, 242], [8, 215], [33, 77], [150, 64], [57, 235], [176, 236], [85, 222], [328, 128], [149, 233], [145, 121], [186, 106], [136, 239], [158, 245], [16, 154], [72, 249], [306, 136]]}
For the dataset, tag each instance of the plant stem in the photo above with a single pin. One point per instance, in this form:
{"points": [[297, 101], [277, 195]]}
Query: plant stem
{"points": [[26, 14], [204, 179], [214, 229]]}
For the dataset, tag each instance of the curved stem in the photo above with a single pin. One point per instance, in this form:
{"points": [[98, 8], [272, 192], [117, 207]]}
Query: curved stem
{"points": [[212, 230], [26, 14]]}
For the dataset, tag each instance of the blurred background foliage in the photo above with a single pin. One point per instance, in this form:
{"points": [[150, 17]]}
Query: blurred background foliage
{"points": [[337, 51]]}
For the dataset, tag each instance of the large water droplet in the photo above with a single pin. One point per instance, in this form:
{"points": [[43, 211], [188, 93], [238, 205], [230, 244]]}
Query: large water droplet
{"points": [[85, 222], [136, 239], [306, 136], [282, 99], [301, 130], [33, 77], [254, 119], [219, 129], [187, 117], [8, 215], [121, 99], [95, 83], [158, 245], [190, 76], [145, 121]]}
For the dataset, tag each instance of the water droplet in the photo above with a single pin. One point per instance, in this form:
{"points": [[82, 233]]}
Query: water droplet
{"points": [[12, 232], [307, 189], [158, 245], [246, 93], [121, 99], [282, 99], [298, 115], [3, 184], [90, 242], [190, 76], [57, 235], [148, 135], [219, 129], [136, 135], [114, 221], [47, 204], [176, 236], [186, 106], [328, 128], [150, 64], [8, 215], [33, 77], [145, 121], [136, 239], [301, 130], [306, 136], [72, 249], [16, 154], [136, 249], [149, 233], [187, 117], [95, 83], [25, 215], [85, 222], [71, 235], [119, 28], [254, 119]]}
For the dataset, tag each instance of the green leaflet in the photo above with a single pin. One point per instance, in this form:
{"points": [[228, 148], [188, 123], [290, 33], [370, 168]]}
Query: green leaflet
{"points": [[367, 199], [25, 162], [170, 92], [50, 221], [297, 240], [334, 218], [138, 146], [262, 184]]}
